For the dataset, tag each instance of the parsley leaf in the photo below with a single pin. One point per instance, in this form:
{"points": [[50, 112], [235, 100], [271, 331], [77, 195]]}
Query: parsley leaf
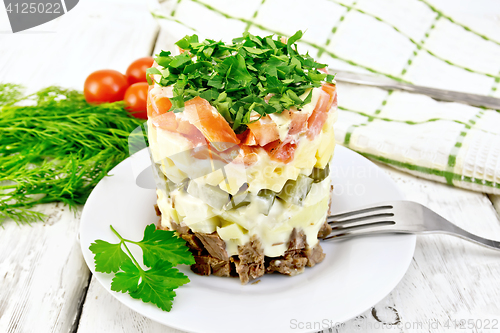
{"points": [[158, 284], [237, 77], [292, 40], [155, 285], [162, 250], [127, 279], [160, 245], [108, 257]]}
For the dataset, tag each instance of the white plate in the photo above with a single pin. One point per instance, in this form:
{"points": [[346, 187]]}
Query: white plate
{"points": [[355, 275]]}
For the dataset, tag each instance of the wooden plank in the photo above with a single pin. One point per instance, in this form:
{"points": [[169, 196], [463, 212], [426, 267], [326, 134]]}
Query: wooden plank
{"points": [[448, 279], [104, 313], [42, 273]]}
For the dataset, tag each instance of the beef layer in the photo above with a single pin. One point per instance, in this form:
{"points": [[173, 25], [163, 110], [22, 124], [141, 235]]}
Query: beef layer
{"points": [[250, 263]]}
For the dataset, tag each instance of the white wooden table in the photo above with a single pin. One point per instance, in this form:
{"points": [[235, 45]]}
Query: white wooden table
{"points": [[45, 285]]}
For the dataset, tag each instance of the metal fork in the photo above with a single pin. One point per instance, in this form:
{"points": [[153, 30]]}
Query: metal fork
{"points": [[404, 217]]}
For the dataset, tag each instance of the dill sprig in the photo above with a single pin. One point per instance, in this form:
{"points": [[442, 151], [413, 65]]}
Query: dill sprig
{"points": [[9, 93], [56, 147]]}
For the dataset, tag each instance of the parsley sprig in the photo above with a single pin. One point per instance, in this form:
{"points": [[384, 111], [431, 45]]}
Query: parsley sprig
{"points": [[236, 78], [162, 251]]}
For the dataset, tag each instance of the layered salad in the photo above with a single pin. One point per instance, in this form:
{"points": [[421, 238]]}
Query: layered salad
{"points": [[241, 136]]}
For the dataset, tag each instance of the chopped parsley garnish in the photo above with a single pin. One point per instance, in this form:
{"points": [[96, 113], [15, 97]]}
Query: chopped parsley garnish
{"points": [[237, 78], [162, 251]]}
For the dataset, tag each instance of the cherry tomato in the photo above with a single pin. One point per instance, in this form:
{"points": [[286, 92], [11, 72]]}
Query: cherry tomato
{"points": [[136, 99], [105, 86], [136, 72]]}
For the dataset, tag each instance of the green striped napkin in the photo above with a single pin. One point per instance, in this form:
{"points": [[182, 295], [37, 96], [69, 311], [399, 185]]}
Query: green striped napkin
{"points": [[444, 44]]}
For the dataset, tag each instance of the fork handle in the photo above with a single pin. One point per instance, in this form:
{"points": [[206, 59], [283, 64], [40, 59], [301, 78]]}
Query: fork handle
{"points": [[451, 229], [434, 222]]}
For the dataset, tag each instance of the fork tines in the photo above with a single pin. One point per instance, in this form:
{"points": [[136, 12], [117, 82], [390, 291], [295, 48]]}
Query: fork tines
{"points": [[346, 224]]}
